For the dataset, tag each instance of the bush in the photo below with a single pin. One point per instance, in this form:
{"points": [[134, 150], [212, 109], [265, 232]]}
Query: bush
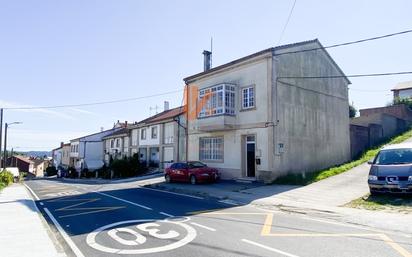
{"points": [[127, 167], [103, 172], [6, 177], [72, 172], [51, 171]]}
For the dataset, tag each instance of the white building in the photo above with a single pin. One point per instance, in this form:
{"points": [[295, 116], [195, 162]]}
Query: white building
{"points": [[87, 151], [270, 113], [402, 90], [116, 145]]}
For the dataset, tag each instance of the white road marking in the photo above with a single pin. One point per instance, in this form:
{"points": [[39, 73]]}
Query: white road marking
{"points": [[129, 202], [41, 204], [32, 192], [173, 193], [269, 248], [91, 238], [203, 226], [230, 202], [66, 237], [166, 214]]}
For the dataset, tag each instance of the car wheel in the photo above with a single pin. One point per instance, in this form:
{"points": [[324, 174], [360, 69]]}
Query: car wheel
{"points": [[193, 180], [168, 178]]}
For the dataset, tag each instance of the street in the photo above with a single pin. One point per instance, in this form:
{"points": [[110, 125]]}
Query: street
{"points": [[141, 221]]}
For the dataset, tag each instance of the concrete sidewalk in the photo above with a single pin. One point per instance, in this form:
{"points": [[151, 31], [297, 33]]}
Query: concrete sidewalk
{"points": [[22, 231]]}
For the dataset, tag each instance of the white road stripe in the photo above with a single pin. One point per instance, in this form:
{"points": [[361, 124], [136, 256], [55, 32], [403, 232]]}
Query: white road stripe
{"points": [[32, 192], [203, 226], [269, 248], [120, 199], [173, 193], [41, 204], [66, 237], [166, 214]]}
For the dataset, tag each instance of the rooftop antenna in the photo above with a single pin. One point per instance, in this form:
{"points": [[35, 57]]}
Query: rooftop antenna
{"points": [[211, 50], [153, 108]]}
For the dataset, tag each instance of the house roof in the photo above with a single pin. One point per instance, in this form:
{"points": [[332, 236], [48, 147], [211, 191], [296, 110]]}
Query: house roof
{"points": [[23, 158], [77, 139], [402, 85], [165, 115], [271, 50], [117, 133]]}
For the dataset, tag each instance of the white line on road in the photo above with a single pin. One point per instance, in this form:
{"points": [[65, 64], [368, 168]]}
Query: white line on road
{"points": [[32, 192], [173, 193], [41, 204], [229, 202], [203, 226], [269, 248], [166, 214], [66, 237], [120, 199]]}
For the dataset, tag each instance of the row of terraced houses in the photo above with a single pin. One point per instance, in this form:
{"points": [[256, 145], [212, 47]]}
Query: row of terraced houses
{"points": [[278, 111]]}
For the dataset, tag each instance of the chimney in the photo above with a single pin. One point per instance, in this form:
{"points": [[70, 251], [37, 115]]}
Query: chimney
{"points": [[207, 60], [125, 123], [101, 129], [61, 144], [166, 105]]}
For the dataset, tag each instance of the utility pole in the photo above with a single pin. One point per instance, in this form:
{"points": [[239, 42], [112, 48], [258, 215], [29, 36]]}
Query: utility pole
{"points": [[1, 132], [5, 145]]}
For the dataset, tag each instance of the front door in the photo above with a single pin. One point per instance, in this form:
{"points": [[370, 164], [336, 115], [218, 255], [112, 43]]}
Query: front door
{"points": [[250, 156]]}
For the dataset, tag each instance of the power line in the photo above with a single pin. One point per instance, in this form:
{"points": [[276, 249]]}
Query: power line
{"points": [[350, 76], [347, 43], [287, 21], [93, 103]]}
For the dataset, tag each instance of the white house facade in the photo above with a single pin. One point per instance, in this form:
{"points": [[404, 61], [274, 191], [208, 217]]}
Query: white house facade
{"points": [[257, 118]]}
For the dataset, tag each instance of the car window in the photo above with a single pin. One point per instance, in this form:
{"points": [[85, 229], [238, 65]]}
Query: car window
{"points": [[173, 166], [394, 156], [196, 165]]}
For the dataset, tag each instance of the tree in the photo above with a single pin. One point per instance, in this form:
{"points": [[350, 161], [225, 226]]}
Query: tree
{"points": [[352, 111]]}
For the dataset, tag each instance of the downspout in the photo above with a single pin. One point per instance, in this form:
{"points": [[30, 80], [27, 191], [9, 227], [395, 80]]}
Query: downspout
{"points": [[187, 122]]}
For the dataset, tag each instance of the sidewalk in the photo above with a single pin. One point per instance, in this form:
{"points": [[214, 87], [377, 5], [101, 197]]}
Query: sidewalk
{"points": [[22, 231]]}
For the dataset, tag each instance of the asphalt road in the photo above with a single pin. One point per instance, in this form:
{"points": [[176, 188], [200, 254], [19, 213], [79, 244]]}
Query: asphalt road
{"points": [[147, 222]]}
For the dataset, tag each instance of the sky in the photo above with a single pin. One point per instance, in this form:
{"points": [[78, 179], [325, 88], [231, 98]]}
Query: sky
{"points": [[75, 51]]}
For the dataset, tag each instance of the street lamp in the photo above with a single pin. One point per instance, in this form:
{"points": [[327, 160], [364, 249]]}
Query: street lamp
{"points": [[5, 140]]}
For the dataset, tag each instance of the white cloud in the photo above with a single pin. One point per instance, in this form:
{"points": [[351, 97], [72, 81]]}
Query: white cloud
{"points": [[6, 104]]}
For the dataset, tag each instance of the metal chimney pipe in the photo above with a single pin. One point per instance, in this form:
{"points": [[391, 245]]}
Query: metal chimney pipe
{"points": [[207, 64]]}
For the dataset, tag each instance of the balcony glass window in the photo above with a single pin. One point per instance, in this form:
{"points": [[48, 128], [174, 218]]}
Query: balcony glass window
{"points": [[220, 100]]}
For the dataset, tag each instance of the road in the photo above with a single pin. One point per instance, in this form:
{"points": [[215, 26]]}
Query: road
{"points": [[92, 221]]}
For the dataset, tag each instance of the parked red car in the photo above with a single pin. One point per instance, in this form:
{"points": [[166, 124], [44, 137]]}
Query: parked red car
{"points": [[192, 171]]}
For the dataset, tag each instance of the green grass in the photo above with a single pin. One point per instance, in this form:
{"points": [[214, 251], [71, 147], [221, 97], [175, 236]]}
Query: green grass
{"points": [[299, 179], [2, 185], [396, 203]]}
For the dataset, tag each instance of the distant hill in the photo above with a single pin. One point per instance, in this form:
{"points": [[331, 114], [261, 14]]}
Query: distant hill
{"points": [[37, 153]]}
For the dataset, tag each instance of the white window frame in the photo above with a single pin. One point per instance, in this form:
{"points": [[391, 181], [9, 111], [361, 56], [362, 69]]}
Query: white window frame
{"points": [[248, 97], [222, 99], [211, 149], [153, 132]]}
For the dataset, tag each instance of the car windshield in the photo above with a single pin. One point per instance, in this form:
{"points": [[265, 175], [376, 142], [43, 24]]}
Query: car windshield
{"points": [[394, 156], [196, 165]]}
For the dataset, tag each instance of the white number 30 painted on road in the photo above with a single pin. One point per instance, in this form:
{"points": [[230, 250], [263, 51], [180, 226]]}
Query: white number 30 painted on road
{"points": [[139, 238]]}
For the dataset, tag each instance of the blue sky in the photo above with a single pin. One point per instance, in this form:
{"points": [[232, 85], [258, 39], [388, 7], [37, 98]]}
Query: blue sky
{"points": [[68, 52]]}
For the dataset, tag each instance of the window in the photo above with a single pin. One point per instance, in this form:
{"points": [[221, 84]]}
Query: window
{"points": [[248, 97], [143, 134], [221, 100], [117, 142], [154, 132], [211, 148], [112, 143]]}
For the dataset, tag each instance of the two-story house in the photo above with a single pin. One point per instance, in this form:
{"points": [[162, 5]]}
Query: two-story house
{"points": [[87, 151], [61, 156], [278, 111], [160, 139], [116, 145]]}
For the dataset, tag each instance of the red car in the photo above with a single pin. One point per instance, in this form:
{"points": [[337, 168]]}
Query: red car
{"points": [[192, 171]]}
